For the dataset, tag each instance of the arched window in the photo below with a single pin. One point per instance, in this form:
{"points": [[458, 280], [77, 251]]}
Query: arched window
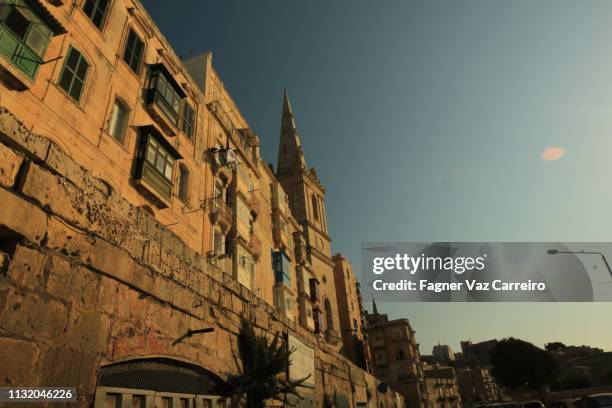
{"points": [[315, 207], [183, 183], [329, 319]]}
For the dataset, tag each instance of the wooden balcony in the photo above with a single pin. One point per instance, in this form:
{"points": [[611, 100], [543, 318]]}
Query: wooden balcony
{"points": [[221, 213], [255, 246]]}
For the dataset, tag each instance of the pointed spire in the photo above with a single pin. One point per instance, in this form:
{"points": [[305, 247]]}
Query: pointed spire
{"points": [[290, 155], [374, 308], [288, 120]]}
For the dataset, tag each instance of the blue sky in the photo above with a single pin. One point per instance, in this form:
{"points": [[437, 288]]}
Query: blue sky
{"points": [[427, 121]]}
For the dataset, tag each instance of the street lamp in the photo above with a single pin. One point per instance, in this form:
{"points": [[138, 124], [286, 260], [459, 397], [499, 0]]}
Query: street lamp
{"points": [[582, 252]]}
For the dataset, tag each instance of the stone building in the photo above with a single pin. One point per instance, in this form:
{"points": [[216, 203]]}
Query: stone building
{"points": [[396, 358], [477, 384], [442, 387], [137, 211], [443, 353], [351, 312]]}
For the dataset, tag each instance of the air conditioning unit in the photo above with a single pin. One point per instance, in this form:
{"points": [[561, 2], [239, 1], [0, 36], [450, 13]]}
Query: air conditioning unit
{"points": [[228, 157]]}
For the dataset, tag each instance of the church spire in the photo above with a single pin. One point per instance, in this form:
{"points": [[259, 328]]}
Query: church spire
{"points": [[374, 308], [290, 155]]}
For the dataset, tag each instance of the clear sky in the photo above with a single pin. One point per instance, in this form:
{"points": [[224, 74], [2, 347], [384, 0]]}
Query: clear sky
{"points": [[430, 121]]}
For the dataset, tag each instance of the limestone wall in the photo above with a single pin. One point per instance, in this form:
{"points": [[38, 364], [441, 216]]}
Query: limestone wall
{"points": [[86, 279]]}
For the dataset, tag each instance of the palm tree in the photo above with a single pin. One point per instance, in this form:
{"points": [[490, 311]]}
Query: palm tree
{"points": [[264, 368]]}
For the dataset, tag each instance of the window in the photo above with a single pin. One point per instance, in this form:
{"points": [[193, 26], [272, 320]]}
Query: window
{"points": [[24, 36], [74, 73], [246, 267], [315, 207], [282, 268], [165, 93], [400, 354], [188, 120], [329, 319], [155, 166], [96, 10], [218, 242], [160, 159], [314, 289], [244, 176], [183, 184], [134, 50], [117, 125]]}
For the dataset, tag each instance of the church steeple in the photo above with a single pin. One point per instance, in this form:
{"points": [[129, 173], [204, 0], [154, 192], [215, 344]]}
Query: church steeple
{"points": [[290, 155]]}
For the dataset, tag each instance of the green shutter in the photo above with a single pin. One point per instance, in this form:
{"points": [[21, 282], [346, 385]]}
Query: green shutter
{"points": [[8, 44], [27, 61]]}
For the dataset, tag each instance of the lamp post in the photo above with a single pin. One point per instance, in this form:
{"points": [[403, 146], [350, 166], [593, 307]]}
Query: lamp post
{"points": [[582, 252]]}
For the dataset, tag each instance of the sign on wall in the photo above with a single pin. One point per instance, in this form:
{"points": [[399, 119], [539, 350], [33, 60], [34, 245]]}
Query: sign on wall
{"points": [[302, 361]]}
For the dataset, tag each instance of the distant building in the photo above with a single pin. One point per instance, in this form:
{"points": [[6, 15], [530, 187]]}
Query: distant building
{"points": [[477, 352], [443, 353], [442, 387], [476, 384], [395, 356]]}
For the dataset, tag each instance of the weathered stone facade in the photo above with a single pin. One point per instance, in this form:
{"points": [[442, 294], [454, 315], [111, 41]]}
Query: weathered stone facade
{"points": [[135, 207], [89, 280]]}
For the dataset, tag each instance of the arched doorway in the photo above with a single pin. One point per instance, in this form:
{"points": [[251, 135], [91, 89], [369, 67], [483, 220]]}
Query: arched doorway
{"points": [[159, 383]]}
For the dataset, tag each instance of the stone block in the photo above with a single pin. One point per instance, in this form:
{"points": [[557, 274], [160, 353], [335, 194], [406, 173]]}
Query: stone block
{"points": [[10, 162], [88, 331], [32, 317], [26, 267], [107, 295], [19, 360], [4, 263], [59, 196], [14, 133], [71, 282], [61, 163], [21, 218]]}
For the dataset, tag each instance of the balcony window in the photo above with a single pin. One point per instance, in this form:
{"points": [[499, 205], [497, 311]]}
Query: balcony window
{"points": [[26, 29], [74, 73], [134, 50], [165, 93], [282, 268], [156, 163], [96, 10]]}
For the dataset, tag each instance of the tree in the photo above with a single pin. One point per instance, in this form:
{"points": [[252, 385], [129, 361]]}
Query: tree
{"points": [[517, 363], [264, 368], [555, 346]]}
